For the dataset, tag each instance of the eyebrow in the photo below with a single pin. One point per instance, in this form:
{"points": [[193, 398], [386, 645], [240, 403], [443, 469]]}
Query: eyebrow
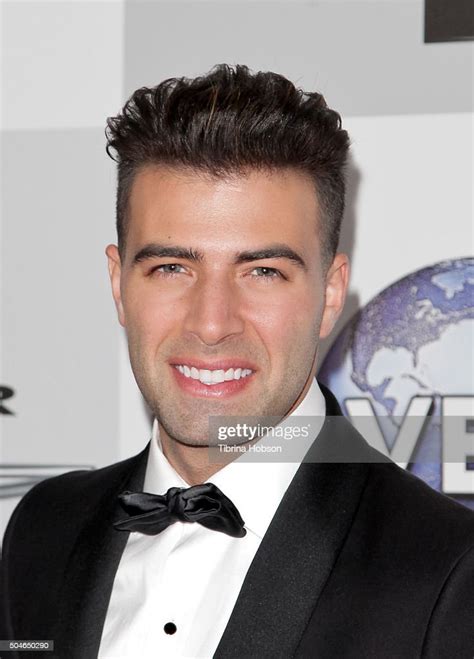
{"points": [[279, 251], [276, 251], [155, 251]]}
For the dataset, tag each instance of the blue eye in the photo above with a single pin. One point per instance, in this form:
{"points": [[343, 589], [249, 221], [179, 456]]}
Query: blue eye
{"points": [[168, 269], [267, 273]]}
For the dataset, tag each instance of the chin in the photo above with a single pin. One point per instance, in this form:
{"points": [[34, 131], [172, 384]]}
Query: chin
{"points": [[190, 441], [186, 434]]}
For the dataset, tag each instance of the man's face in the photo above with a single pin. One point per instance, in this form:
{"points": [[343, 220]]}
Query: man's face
{"points": [[241, 291]]}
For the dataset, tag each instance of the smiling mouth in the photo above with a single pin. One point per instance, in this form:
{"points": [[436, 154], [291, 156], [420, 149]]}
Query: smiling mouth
{"points": [[213, 377]]}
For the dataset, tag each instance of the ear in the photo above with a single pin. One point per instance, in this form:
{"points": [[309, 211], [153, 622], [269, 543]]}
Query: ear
{"points": [[115, 270], [337, 279]]}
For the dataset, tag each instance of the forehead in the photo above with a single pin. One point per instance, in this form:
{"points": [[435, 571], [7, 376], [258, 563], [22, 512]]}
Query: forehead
{"points": [[180, 203]]}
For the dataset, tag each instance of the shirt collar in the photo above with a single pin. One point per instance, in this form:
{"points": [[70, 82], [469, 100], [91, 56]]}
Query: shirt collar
{"points": [[255, 487]]}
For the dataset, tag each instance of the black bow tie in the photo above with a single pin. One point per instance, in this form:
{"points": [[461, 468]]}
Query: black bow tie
{"points": [[205, 504]]}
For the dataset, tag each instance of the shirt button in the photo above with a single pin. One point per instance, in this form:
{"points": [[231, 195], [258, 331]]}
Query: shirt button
{"points": [[170, 628]]}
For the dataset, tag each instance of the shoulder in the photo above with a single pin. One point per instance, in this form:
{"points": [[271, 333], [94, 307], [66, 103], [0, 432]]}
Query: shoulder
{"points": [[413, 518], [399, 486], [66, 500], [427, 540], [397, 505]]}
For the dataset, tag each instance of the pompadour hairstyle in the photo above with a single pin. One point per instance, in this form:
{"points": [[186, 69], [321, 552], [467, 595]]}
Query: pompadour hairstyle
{"points": [[229, 121]]}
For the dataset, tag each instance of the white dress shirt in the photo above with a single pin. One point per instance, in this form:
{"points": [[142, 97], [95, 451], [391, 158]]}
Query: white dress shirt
{"points": [[189, 575]]}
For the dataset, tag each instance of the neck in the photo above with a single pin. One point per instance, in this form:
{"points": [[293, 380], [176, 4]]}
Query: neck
{"points": [[192, 463]]}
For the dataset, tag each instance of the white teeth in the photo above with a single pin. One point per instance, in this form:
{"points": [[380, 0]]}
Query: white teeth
{"points": [[217, 376], [205, 376], [209, 377]]}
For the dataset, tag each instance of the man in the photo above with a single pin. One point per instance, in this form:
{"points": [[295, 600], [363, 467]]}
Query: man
{"points": [[225, 278]]}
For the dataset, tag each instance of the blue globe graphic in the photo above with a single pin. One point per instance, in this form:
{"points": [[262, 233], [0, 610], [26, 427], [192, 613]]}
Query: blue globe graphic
{"points": [[415, 338]]}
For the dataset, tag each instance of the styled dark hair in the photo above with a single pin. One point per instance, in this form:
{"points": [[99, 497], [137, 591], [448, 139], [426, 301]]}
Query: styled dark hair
{"points": [[228, 121]]}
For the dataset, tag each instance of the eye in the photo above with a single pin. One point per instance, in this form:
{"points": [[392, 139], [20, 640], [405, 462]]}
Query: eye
{"points": [[267, 273], [167, 269]]}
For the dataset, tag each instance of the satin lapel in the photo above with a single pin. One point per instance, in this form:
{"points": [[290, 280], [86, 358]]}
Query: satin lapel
{"points": [[300, 547], [92, 567]]}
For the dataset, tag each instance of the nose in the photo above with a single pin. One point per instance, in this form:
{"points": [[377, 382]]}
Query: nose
{"points": [[214, 312]]}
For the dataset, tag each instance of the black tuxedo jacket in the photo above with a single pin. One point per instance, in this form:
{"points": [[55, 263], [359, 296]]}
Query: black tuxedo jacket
{"points": [[361, 560]]}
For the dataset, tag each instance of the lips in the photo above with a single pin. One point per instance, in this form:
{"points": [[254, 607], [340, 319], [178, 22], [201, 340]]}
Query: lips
{"points": [[212, 380]]}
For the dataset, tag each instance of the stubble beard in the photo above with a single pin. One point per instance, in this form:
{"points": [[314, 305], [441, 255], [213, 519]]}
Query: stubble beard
{"points": [[189, 425]]}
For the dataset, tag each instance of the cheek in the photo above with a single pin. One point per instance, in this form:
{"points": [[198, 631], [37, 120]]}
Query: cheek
{"points": [[149, 319], [288, 323]]}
